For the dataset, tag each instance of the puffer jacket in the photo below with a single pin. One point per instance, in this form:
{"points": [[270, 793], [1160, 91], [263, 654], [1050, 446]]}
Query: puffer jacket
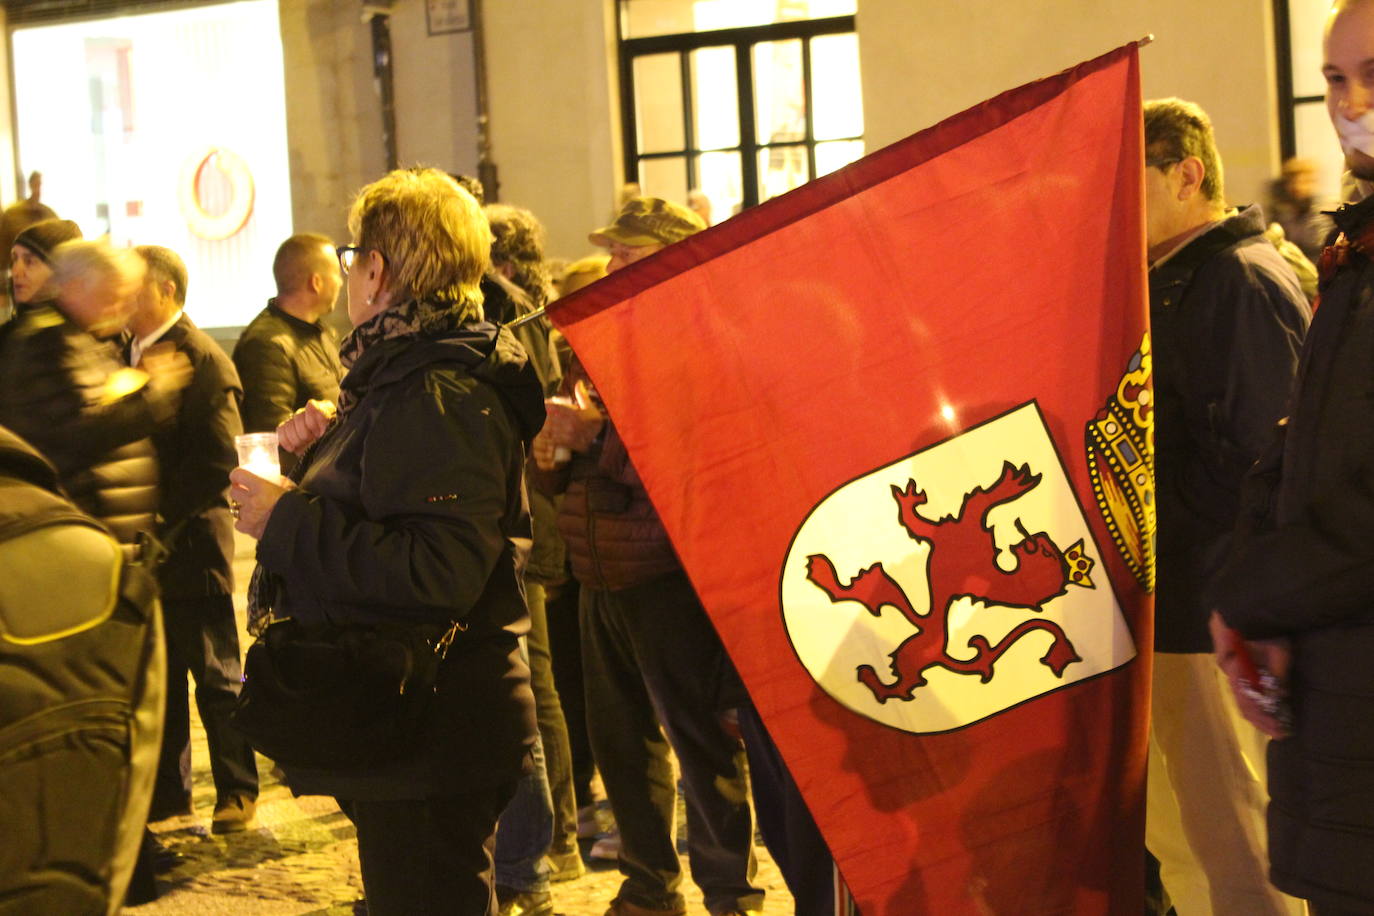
{"points": [[55, 392], [411, 508], [1302, 567], [615, 538]]}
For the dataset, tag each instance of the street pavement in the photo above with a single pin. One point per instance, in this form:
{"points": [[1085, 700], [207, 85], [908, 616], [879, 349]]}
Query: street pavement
{"points": [[302, 858]]}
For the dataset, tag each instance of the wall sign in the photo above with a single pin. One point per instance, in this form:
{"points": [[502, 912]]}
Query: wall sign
{"points": [[240, 206], [446, 16]]}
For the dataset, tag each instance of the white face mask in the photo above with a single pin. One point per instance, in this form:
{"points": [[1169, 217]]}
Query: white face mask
{"points": [[1356, 136]]}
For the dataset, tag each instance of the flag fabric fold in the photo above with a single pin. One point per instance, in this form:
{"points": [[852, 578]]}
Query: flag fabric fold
{"points": [[897, 424]]}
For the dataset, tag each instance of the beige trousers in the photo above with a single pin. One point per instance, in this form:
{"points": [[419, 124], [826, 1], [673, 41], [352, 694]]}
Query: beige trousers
{"points": [[1206, 795]]}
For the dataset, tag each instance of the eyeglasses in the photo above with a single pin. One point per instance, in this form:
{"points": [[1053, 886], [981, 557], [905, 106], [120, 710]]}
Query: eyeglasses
{"points": [[1160, 164], [347, 254]]}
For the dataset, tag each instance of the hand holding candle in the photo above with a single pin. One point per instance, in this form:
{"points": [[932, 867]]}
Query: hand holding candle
{"points": [[572, 424]]}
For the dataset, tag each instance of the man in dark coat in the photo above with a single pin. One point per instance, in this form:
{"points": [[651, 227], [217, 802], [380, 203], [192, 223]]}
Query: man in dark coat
{"points": [[1227, 316], [1299, 581], [196, 453], [287, 356]]}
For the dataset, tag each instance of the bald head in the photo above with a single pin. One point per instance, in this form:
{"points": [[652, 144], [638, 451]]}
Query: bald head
{"points": [[1348, 67], [306, 269]]}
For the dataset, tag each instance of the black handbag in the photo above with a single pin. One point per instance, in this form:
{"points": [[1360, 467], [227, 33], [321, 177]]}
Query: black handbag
{"points": [[339, 698]]}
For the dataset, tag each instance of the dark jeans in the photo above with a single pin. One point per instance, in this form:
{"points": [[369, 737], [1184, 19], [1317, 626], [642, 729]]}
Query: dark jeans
{"points": [[430, 856], [553, 729], [524, 830], [788, 830], [565, 645], [202, 640], [651, 656]]}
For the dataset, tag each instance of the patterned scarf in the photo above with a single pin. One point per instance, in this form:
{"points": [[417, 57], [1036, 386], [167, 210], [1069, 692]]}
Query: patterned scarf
{"points": [[411, 318]]}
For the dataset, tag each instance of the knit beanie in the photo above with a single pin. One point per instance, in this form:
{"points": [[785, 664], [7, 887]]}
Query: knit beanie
{"points": [[42, 237]]}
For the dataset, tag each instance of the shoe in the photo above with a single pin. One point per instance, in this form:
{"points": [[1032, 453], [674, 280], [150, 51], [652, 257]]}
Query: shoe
{"points": [[626, 908], [163, 809], [234, 815], [606, 847], [523, 903], [157, 856], [566, 866]]}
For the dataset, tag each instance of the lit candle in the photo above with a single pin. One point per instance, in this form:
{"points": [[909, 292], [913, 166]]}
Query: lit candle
{"points": [[258, 453], [263, 463]]}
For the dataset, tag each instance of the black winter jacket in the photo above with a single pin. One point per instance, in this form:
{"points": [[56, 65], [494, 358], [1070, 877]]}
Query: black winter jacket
{"points": [[1227, 317], [503, 303], [54, 392], [1302, 567], [284, 362], [412, 508]]}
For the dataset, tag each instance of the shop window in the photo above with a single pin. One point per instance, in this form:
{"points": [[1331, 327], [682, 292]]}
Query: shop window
{"points": [[164, 128]]}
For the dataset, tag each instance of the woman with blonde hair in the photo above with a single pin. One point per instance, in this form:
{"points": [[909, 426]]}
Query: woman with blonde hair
{"points": [[407, 510]]}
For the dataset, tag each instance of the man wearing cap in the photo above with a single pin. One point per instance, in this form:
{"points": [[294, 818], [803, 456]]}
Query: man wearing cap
{"points": [[650, 653], [21, 215], [31, 260]]}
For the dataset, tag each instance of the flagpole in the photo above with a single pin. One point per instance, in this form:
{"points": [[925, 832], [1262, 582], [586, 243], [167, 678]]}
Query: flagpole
{"points": [[526, 319], [1146, 40]]}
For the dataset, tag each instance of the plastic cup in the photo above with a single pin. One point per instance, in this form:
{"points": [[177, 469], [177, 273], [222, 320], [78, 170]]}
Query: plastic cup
{"points": [[258, 453]]}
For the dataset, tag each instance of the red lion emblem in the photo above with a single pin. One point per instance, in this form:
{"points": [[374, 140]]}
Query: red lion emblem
{"points": [[962, 564]]}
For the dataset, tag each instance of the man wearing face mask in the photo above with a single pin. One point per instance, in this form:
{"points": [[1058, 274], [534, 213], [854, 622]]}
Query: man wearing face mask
{"points": [[1293, 628]]}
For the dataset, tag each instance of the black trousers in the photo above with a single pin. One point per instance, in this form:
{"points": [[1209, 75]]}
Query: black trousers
{"points": [[202, 640], [429, 857], [789, 831], [651, 656]]}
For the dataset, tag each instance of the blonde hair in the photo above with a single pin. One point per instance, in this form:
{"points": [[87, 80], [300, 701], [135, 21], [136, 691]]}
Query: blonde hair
{"points": [[432, 234], [583, 272]]}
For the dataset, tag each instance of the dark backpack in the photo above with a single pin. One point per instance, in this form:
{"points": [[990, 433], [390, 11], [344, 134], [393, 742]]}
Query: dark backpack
{"points": [[81, 695]]}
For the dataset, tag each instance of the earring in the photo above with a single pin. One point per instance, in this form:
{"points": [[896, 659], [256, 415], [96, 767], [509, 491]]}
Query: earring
{"points": [[369, 300]]}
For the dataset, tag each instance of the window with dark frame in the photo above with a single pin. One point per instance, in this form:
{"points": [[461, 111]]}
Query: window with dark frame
{"points": [[780, 132]]}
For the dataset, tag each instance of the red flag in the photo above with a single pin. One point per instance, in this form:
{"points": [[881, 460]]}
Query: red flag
{"points": [[897, 424]]}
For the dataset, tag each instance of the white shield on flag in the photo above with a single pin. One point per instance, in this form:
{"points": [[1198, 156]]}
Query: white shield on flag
{"points": [[953, 584]]}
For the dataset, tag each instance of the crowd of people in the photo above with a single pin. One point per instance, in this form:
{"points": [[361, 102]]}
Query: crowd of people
{"points": [[453, 489]]}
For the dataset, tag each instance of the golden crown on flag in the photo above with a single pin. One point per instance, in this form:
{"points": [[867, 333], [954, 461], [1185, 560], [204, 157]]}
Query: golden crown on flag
{"points": [[1080, 565], [1121, 465]]}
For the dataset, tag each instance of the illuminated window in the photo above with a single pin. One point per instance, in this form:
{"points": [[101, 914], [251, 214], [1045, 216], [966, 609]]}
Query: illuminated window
{"points": [[742, 100], [165, 128]]}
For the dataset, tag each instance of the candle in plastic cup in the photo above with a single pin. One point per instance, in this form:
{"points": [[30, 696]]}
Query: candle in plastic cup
{"points": [[561, 453], [258, 453]]}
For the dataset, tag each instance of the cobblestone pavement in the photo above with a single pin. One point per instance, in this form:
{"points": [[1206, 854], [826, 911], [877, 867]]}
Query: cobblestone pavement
{"points": [[302, 857]]}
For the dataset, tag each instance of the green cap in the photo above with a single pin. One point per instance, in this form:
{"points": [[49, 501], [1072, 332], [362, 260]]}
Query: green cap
{"points": [[649, 221]]}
